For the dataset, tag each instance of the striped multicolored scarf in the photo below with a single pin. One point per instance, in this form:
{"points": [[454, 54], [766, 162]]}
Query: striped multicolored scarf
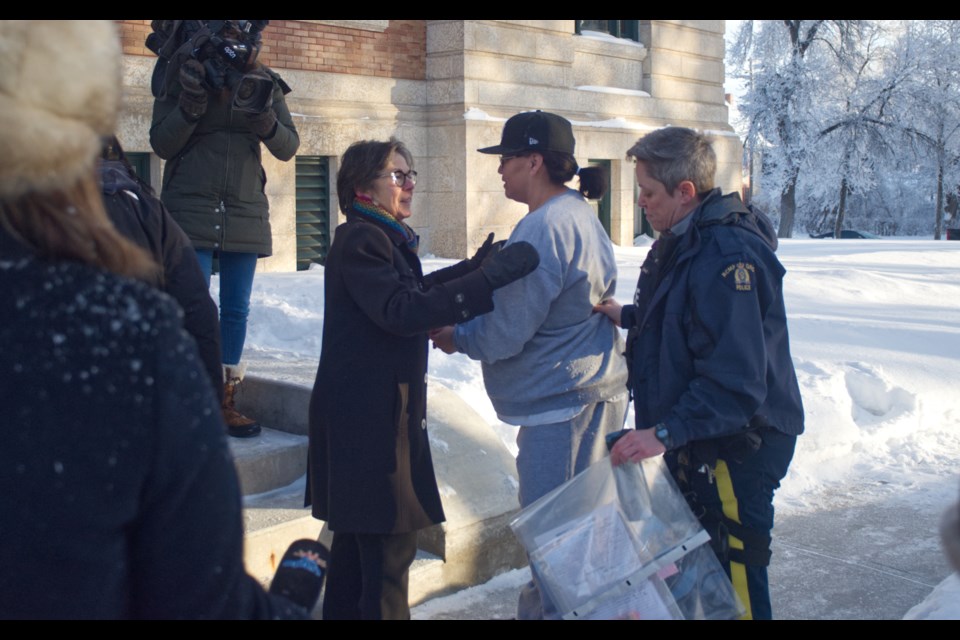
{"points": [[371, 211]]}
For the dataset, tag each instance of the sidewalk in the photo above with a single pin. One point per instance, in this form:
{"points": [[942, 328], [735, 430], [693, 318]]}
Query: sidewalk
{"points": [[856, 552], [865, 553]]}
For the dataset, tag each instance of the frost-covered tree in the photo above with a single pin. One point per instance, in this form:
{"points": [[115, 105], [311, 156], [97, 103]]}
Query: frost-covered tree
{"points": [[858, 123], [930, 109], [861, 131], [787, 63]]}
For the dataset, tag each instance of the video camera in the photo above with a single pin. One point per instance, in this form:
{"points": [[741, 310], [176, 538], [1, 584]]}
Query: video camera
{"points": [[227, 49]]}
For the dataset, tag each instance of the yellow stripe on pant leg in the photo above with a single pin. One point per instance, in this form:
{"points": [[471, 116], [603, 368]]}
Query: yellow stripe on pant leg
{"points": [[738, 572]]}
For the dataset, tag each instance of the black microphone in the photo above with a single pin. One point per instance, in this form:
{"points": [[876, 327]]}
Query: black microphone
{"points": [[300, 575]]}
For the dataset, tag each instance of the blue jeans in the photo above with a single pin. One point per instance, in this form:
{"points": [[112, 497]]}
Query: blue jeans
{"points": [[236, 282]]}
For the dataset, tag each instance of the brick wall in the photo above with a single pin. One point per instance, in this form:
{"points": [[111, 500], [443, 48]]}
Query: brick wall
{"points": [[397, 52]]}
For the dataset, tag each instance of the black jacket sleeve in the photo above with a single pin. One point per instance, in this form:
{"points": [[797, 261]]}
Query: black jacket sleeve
{"points": [[184, 280], [389, 294], [170, 129], [447, 274], [141, 217]]}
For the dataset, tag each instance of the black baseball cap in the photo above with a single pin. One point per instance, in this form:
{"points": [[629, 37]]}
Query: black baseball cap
{"points": [[534, 131]]}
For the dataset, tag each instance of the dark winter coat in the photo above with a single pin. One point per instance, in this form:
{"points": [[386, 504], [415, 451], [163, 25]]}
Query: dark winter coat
{"points": [[213, 180], [707, 345], [141, 217], [120, 499], [370, 466]]}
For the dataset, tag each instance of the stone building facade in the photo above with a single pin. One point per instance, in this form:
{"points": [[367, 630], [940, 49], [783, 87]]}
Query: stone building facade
{"points": [[445, 87]]}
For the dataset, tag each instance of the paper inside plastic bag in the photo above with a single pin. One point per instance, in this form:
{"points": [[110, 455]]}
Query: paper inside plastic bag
{"points": [[622, 543]]}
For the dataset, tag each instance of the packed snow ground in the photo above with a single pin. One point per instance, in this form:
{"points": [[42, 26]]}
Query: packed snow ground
{"points": [[875, 336]]}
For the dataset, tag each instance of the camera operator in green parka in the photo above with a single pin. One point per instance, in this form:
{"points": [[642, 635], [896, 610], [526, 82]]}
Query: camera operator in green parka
{"points": [[209, 131]]}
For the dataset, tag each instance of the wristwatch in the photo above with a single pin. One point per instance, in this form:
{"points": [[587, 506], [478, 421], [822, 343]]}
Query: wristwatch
{"points": [[662, 433]]}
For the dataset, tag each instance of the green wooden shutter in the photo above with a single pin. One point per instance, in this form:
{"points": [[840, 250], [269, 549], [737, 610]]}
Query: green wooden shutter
{"points": [[313, 210]]}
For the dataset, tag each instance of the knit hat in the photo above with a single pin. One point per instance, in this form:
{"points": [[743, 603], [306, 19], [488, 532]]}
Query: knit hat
{"points": [[535, 131], [59, 92]]}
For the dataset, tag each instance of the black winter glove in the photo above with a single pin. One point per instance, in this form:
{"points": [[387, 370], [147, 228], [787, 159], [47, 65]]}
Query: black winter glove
{"points": [[193, 96], [263, 124], [511, 263], [488, 248]]}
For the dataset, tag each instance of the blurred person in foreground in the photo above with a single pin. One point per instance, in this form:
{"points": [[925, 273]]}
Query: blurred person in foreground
{"points": [[215, 107], [711, 375], [551, 366], [371, 474], [120, 499], [139, 215]]}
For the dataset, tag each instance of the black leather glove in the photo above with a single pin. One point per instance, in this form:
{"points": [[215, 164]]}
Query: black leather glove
{"points": [[488, 248], [263, 124], [511, 263], [193, 95]]}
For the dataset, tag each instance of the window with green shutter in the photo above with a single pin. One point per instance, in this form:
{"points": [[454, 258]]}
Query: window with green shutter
{"points": [[313, 210]]}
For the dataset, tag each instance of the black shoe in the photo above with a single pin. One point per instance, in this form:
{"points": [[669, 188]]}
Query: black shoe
{"points": [[244, 431]]}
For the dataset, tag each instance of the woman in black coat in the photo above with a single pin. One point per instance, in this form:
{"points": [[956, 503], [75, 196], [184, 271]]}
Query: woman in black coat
{"points": [[371, 474], [120, 497]]}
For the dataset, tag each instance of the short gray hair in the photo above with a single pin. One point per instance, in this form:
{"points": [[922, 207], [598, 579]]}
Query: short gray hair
{"points": [[674, 154]]}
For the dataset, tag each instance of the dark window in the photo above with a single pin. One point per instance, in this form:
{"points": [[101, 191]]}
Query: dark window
{"points": [[603, 205], [313, 210], [628, 29], [141, 164]]}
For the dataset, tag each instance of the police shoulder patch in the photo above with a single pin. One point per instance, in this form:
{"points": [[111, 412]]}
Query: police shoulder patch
{"points": [[739, 276]]}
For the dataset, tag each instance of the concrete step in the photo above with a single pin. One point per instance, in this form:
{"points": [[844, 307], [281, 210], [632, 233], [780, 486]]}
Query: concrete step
{"points": [[275, 519], [475, 473], [272, 460], [272, 470], [272, 520]]}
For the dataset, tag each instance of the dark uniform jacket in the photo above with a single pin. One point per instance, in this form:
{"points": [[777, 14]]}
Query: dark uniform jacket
{"points": [[707, 345], [120, 498], [141, 217], [370, 468], [213, 180]]}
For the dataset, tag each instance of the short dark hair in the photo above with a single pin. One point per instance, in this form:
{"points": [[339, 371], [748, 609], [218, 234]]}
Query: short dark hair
{"points": [[361, 163], [674, 154]]}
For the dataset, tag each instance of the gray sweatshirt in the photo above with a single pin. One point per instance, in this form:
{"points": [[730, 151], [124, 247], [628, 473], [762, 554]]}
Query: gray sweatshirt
{"points": [[543, 348]]}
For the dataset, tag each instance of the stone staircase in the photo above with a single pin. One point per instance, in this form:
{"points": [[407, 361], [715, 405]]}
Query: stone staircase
{"points": [[476, 474]]}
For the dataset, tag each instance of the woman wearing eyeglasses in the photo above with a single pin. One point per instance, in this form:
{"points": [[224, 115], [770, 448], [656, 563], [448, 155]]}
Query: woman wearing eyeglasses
{"points": [[370, 470], [551, 366]]}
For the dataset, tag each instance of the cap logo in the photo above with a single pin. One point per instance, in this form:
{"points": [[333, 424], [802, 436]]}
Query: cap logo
{"points": [[532, 141]]}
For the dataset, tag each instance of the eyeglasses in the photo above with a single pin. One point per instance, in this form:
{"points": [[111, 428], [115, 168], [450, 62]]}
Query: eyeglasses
{"points": [[505, 159], [399, 178]]}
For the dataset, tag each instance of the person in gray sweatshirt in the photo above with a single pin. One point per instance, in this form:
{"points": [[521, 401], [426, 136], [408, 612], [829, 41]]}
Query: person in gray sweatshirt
{"points": [[551, 366]]}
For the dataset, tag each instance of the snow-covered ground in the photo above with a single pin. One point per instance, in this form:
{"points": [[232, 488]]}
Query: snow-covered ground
{"points": [[875, 334]]}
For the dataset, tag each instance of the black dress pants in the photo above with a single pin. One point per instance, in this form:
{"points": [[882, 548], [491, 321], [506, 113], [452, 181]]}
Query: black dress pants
{"points": [[368, 576]]}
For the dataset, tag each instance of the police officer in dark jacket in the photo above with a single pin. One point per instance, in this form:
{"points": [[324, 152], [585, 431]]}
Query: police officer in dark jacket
{"points": [[210, 132], [710, 369]]}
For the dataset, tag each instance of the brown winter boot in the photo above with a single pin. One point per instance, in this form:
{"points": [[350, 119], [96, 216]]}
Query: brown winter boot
{"points": [[238, 425]]}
